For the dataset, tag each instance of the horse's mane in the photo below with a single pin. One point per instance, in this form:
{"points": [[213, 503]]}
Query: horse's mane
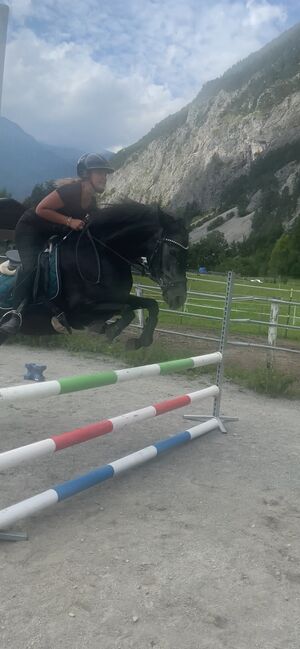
{"points": [[131, 216], [124, 212], [129, 227]]}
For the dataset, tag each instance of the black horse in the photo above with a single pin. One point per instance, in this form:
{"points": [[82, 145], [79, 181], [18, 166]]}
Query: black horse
{"points": [[96, 271]]}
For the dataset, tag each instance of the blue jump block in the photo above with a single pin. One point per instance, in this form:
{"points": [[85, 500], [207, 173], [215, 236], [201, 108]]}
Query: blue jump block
{"points": [[34, 372]]}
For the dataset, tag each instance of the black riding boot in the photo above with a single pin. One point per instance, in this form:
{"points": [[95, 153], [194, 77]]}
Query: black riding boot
{"points": [[11, 322]]}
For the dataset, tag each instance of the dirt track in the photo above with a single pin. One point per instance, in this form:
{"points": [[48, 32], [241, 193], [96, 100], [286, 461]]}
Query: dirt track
{"points": [[196, 550]]}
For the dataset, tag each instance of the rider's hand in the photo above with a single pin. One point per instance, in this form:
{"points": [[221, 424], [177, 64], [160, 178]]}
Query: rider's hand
{"points": [[76, 224]]}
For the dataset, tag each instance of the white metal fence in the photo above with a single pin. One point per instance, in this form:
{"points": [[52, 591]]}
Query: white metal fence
{"points": [[270, 317]]}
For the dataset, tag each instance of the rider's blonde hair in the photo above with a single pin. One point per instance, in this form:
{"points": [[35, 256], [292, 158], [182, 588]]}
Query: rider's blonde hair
{"points": [[65, 181]]}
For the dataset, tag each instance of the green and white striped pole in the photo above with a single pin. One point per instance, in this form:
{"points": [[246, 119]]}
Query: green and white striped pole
{"points": [[100, 379]]}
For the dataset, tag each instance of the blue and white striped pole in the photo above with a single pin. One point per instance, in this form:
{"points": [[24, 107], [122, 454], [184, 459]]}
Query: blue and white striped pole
{"points": [[35, 504]]}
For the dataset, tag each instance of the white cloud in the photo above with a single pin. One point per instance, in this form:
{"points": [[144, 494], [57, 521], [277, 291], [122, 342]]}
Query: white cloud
{"points": [[20, 9], [98, 73], [63, 96], [260, 13]]}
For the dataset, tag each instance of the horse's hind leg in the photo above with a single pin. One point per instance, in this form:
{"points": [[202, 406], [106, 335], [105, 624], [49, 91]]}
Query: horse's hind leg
{"points": [[127, 312], [3, 338], [115, 328]]}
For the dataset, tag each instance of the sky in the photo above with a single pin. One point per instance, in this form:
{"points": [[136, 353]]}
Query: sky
{"points": [[95, 74]]}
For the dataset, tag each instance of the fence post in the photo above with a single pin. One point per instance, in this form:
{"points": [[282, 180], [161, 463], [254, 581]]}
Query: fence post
{"points": [[289, 313], [140, 312], [220, 368], [223, 341], [272, 333]]}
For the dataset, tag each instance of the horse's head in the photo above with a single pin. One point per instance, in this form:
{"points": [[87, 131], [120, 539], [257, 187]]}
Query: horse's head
{"points": [[131, 230], [168, 260]]}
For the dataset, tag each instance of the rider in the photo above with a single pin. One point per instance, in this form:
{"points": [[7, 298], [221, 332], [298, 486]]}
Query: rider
{"points": [[66, 206]]}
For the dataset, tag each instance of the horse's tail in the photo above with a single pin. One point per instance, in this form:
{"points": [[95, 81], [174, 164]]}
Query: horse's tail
{"points": [[10, 213]]}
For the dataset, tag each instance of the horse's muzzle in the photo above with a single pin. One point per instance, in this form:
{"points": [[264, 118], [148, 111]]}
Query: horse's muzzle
{"points": [[175, 295]]}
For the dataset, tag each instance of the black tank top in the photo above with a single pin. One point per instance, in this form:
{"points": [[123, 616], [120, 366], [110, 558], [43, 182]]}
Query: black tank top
{"points": [[70, 194]]}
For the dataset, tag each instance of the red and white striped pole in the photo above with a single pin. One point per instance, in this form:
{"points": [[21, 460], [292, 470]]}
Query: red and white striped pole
{"points": [[22, 454]]}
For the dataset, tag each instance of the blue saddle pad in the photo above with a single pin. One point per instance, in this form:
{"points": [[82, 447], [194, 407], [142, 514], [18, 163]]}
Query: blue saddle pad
{"points": [[47, 282], [7, 283]]}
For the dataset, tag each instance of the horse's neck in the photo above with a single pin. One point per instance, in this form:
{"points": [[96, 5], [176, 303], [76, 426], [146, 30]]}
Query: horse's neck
{"points": [[131, 233]]}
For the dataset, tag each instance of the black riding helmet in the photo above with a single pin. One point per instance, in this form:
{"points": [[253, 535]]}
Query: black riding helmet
{"points": [[90, 161]]}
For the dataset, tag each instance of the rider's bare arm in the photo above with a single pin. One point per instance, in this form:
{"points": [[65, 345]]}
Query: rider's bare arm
{"points": [[47, 209]]}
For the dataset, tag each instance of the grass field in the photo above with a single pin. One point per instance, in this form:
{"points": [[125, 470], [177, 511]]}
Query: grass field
{"points": [[245, 366], [206, 299]]}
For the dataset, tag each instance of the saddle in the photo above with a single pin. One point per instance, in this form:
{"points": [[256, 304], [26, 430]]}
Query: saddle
{"points": [[47, 282]]}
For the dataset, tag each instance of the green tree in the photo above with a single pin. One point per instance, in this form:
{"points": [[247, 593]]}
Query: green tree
{"points": [[286, 204], [285, 258], [209, 252], [4, 193], [279, 256], [38, 193]]}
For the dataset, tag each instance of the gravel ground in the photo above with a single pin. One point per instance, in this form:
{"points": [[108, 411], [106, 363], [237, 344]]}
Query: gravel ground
{"points": [[199, 549]]}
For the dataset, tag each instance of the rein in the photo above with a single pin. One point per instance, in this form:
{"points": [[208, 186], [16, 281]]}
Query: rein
{"points": [[105, 245], [94, 239], [89, 236]]}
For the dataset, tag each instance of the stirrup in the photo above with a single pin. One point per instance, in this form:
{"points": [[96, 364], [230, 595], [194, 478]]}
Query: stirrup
{"points": [[8, 314], [11, 322]]}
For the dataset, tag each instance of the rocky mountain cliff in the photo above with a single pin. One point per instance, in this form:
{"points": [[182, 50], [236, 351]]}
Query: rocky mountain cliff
{"points": [[189, 159]]}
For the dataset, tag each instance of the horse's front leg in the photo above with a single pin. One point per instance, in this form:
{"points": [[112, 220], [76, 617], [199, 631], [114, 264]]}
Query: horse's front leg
{"points": [[98, 322], [146, 337]]}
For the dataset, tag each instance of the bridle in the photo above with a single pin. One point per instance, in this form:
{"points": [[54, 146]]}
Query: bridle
{"points": [[158, 248], [176, 243]]}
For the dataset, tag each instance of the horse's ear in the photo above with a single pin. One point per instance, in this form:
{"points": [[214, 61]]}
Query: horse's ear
{"points": [[168, 219], [187, 221], [180, 220]]}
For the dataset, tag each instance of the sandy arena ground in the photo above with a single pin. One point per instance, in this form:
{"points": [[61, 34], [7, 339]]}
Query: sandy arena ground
{"points": [[198, 549]]}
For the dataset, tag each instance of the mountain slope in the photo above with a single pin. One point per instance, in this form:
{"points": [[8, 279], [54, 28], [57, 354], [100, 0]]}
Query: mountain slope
{"points": [[187, 160], [25, 162]]}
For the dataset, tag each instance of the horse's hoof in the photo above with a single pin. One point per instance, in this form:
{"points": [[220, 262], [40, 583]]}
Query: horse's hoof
{"points": [[110, 335], [146, 342], [98, 328], [132, 345]]}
